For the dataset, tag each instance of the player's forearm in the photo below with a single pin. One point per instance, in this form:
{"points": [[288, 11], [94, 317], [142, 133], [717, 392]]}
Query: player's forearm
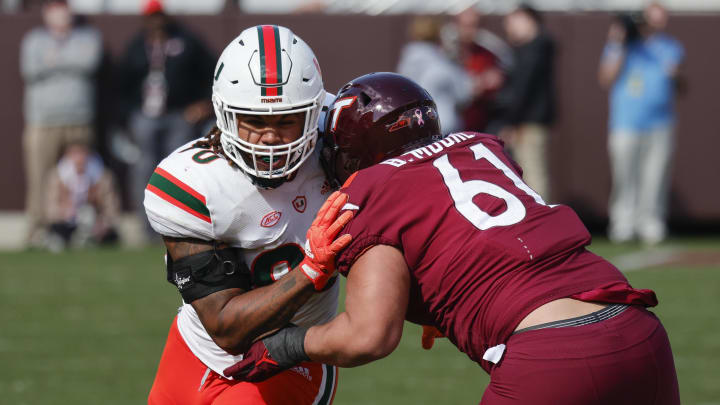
{"points": [[243, 318], [234, 317], [375, 305], [343, 343]]}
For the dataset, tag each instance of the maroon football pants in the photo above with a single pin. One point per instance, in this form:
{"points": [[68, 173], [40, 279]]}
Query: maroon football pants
{"points": [[622, 360]]}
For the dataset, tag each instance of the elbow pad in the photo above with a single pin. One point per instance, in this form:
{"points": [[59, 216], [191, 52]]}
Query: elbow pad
{"points": [[204, 273]]}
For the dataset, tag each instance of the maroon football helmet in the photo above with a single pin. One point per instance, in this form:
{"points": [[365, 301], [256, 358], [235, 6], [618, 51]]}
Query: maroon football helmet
{"points": [[376, 117]]}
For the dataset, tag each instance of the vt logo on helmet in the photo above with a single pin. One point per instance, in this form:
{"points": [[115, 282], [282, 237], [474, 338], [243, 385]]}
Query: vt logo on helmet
{"points": [[265, 71]]}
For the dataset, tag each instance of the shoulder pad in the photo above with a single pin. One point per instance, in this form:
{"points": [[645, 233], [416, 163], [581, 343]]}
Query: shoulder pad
{"points": [[176, 201]]}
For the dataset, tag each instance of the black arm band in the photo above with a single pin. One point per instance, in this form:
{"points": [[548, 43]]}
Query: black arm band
{"points": [[204, 273], [287, 346]]}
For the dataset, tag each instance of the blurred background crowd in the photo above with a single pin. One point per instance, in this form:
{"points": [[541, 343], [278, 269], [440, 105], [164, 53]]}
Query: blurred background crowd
{"points": [[110, 87]]}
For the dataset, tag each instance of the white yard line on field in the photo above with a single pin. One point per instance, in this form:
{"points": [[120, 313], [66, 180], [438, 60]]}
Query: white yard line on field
{"points": [[644, 258]]}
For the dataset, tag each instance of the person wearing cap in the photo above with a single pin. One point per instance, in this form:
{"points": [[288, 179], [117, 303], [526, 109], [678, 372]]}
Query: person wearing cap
{"points": [[164, 83], [58, 62]]}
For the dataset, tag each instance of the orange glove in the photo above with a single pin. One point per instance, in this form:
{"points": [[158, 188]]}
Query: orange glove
{"points": [[320, 246], [429, 335]]}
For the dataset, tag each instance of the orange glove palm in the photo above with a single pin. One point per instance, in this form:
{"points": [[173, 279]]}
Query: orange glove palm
{"points": [[321, 247]]}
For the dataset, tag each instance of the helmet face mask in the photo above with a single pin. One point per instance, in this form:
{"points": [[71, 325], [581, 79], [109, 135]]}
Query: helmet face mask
{"points": [[373, 118], [279, 150], [267, 70], [268, 161]]}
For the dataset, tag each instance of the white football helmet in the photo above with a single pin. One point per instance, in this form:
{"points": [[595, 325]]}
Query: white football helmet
{"points": [[267, 70]]}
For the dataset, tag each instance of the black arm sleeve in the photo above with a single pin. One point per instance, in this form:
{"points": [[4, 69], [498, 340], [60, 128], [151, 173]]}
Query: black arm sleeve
{"points": [[202, 274]]}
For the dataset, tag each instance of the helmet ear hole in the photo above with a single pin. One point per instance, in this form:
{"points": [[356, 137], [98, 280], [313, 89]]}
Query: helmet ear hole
{"points": [[364, 99]]}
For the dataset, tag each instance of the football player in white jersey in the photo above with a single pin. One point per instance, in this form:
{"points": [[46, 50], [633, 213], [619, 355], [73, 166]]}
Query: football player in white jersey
{"points": [[233, 209]]}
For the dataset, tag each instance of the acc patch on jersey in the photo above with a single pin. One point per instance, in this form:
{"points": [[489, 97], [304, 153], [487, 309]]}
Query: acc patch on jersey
{"points": [[270, 219]]}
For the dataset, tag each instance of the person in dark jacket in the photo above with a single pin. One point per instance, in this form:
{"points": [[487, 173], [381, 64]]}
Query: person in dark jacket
{"points": [[165, 80], [527, 99]]}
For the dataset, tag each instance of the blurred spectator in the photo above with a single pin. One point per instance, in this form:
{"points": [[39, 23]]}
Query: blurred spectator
{"points": [[83, 204], [527, 99], [483, 55], [424, 61], [10, 6], [58, 63], [640, 63], [165, 76], [134, 6]]}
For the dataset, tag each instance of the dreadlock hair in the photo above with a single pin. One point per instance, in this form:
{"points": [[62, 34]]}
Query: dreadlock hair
{"points": [[212, 141]]}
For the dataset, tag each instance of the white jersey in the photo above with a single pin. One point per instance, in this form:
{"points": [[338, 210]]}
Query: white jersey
{"points": [[194, 193]]}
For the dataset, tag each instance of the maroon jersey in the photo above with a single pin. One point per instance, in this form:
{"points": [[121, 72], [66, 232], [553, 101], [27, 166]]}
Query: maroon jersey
{"points": [[483, 248]]}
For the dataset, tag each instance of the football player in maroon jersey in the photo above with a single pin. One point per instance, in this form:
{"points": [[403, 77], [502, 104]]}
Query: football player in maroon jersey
{"points": [[447, 234]]}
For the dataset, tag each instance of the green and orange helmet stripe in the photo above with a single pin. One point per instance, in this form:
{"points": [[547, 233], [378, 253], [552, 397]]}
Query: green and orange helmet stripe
{"points": [[270, 60], [179, 194]]}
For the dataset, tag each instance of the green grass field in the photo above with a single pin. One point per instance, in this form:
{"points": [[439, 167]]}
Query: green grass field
{"points": [[88, 327]]}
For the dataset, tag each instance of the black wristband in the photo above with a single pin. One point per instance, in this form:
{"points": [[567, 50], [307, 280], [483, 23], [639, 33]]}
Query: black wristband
{"points": [[287, 346]]}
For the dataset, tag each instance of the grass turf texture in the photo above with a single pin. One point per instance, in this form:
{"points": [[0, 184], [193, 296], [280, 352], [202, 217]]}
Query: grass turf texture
{"points": [[88, 327]]}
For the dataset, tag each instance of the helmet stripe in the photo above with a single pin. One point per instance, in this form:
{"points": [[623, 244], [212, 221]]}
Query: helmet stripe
{"points": [[270, 59], [278, 58], [222, 65], [262, 60]]}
